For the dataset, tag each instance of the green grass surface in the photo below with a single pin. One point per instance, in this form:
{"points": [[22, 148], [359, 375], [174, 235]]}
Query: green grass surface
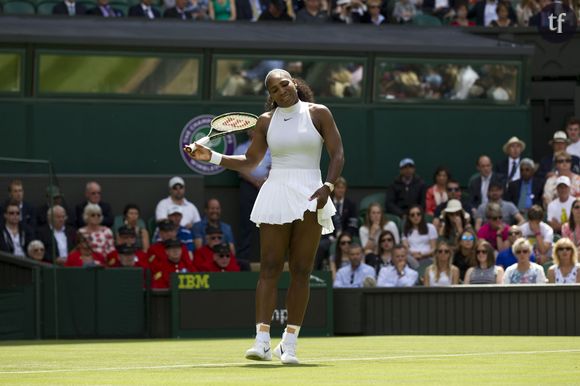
{"points": [[333, 361]]}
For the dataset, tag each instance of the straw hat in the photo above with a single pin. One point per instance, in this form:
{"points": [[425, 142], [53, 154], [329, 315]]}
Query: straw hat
{"points": [[511, 141]]}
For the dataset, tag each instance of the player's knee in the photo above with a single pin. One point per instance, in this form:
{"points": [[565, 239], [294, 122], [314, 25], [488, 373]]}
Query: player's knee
{"points": [[270, 268], [301, 271]]}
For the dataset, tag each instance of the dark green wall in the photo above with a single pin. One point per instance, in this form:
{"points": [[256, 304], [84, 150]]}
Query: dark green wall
{"points": [[126, 137]]}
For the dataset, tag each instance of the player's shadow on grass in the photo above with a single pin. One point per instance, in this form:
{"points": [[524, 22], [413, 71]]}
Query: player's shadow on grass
{"points": [[270, 365]]}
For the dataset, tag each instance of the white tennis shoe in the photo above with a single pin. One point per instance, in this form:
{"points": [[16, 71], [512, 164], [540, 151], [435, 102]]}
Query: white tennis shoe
{"points": [[286, 352], [260, 351]]}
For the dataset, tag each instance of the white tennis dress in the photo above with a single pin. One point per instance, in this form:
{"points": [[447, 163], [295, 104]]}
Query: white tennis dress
{"points": [[296, 146]]}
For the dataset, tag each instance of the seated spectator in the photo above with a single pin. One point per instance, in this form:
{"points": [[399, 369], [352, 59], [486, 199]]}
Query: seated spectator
{"points": [[57, 236], [100, 237], [539, 234], [348, 11], [250, 10], [213, 214], [173, 257], [442, 272], [419, 237], [312, 13], [407, 190], [127, 236], [398, 273], [93, 196], [27, 210], [127, 255], [184, 235], [464, 257], [503, 13], [375, 223], [559, 143], [495, 231], [455, 221], [167, 231], [177, 197], [506, 257], [15, 235], [525, 10], [453, 192], [83, 255], [565, 268], [200, 9], [479, 185], [540, 19], [509, 213], [485, 11], [571, 229], [203, 255], [36, 250], [528, 189], [144, 9], [180, 11], [485, 271], [404, 11], [563, 165], [573, 132], [340, 258], [104, 9], [373, 14], [442, 9], [356, 273], [346, 217], [524, 271], [384, 257], [461, 19], [222, 260], [56, 199], [132, 219], [559, 209], [437, 193], [222, 10], [69, 7], [276, 11], [509, 166]]}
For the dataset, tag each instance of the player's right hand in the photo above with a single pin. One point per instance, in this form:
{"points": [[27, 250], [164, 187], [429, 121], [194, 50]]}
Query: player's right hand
{"points": [[201, 153]]}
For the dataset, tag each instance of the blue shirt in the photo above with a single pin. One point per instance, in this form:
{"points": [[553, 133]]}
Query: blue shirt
{"points": [[506, 258], [346, 277], [199, 231], [263, 169]]}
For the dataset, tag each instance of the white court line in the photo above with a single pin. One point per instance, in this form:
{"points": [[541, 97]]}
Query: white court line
{"points": [[320, 360]]}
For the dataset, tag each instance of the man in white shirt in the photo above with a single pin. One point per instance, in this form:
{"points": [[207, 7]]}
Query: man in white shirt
{"points": [[539, 234], [356, 273], [177, 197], [573, 131], [397, 274], [58, 238], [559, 208]]}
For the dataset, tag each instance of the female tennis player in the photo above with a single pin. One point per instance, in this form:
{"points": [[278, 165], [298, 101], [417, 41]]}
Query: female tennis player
{"points": [[292, 208]]}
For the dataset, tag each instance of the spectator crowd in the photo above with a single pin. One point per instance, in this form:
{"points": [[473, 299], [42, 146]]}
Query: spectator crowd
{"points": [[517, 221]]}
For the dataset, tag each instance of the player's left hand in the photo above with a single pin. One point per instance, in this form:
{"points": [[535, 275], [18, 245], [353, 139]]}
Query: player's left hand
{"points": [[321, 195]]}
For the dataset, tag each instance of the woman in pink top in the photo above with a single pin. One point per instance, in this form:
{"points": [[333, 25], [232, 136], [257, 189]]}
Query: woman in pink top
{"points": [[495, 231]]}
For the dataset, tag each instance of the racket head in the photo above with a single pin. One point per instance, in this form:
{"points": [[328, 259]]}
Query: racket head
{"points": [[233, 122]]}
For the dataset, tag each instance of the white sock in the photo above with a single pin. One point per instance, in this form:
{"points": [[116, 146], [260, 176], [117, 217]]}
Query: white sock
{"points": [[263, 336], [291, 337]]}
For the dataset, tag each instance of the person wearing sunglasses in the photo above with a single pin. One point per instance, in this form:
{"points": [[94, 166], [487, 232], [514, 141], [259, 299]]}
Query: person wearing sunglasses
{"points": [[93, 196], [442, 272], [508, 211], [419, 237], [99, 236], [485, 271], [177, 197], [571, 229], [565, 267], [173, 257], [203, 256], [563, 162], [384, 257], [222, 260], [339, 258], [15, 236], [455, 221], [558, 143], [507, 257], [524, 271], [453, 193], [494, 230], [464, 256], [559, 209], [538, 233]]}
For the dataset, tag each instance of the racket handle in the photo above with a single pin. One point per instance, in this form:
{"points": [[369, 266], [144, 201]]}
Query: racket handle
{"points": [[191, 147]]}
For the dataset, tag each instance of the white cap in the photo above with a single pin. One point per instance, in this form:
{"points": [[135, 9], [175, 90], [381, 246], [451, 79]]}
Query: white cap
{"points": [[174, 209], [563, 180], [453, 206], [176, 180]]}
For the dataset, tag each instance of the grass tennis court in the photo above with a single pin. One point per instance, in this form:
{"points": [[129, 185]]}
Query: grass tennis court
{"points": [[338, 360]]}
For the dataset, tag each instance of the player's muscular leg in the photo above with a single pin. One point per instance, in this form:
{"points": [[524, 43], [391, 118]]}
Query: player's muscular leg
{"points": [[274, 244], [303, 245]]}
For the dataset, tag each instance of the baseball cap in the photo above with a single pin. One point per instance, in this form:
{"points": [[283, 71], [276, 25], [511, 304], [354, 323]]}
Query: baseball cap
{"points": [[174, 209], [172, 243], [126, 231], [166, 225], [563, 180], [176, 180], [222, 248], [406, 161], [124, 249]]}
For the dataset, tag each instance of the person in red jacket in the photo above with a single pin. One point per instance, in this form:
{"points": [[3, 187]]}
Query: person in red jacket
{"points": [[126, 255], [204, 256], [83, 255], [165, 258], [222, 260]]}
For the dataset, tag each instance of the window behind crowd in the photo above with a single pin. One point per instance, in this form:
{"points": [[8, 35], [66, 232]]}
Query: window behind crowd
{"points": [[121, 74], [10, 72], [447, 81], [329, 78]]}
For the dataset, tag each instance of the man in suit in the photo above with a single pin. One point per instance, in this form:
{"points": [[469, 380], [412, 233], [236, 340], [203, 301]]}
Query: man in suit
{"points": [[559, 142], [250, 9], [510, 166], [14, 235], [527, 190], [69, 7], [93, 196], [479, 185], [104, 9], [484, 12], [26, 210], [179, 11], [58, 238], [144, 9]]}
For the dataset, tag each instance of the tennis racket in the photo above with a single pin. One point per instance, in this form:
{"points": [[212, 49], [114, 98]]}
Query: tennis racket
{"points": [[228, 123]]}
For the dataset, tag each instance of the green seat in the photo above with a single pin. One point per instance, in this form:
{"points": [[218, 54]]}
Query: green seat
{"points": [[45, 7], [368, 200], [17, 7], [547, 266], [151, 226], [425, 20], [397, 220]]}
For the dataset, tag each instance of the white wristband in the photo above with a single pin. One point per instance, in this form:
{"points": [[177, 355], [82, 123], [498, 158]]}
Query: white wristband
{"points": [[330, 186], [216, 158]]}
